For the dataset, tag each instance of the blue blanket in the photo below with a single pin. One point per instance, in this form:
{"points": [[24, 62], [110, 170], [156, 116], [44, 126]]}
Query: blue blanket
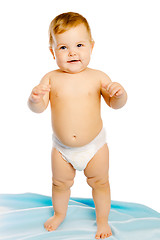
{"points": [[22, 217]]}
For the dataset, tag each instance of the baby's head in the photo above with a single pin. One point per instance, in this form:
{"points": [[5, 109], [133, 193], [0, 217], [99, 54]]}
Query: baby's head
{"points": [[70, 42]]}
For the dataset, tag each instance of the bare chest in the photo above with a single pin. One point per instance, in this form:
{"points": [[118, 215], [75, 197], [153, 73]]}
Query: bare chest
{"points": [[74, 90]]}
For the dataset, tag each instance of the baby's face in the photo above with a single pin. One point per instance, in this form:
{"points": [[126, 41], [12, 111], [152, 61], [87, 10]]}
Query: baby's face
{"points": [[72, 49]]}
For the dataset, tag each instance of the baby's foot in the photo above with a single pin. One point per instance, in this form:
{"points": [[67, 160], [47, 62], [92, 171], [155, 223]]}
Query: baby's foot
{"points": [[52, 223], [103, 229]]}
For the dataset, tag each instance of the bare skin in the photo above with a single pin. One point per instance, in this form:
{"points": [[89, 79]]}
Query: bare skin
{"points": [[61, 184], [72, 131], [98, 179], [75, 94]]}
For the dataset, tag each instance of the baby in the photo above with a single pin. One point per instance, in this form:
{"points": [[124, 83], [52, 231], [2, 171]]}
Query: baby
{"points": [[79, 139]]}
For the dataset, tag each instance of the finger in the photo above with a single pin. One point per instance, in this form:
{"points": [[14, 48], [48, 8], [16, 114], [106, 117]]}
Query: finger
{"points": [[106, 85], [35, 98], [111, 86], [45, 86], [44, 89], [39, 91], [119, 93], [114, 91]]}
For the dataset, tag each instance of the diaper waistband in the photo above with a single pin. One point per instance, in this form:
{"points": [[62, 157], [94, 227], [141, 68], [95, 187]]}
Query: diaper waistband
{"points": [[100, 137]]}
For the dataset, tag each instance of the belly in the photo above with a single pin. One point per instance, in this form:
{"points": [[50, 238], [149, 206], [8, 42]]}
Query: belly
{"points": [[76, 124]]}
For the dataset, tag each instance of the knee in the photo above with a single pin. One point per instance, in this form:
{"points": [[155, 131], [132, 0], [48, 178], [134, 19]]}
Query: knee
{"points": [[98, 183], [62, 184]]}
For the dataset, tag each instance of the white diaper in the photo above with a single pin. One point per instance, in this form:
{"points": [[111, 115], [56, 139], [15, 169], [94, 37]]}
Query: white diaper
{"points": [[79, 157]]}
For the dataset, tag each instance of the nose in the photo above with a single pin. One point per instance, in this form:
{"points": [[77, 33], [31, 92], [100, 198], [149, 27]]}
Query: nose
{"points": [[71, 53]]}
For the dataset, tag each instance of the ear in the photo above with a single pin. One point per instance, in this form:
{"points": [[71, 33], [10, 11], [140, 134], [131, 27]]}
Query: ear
{"points": [[92, 45], [51, 50]]}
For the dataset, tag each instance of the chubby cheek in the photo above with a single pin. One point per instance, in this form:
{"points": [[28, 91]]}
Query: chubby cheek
{"points": [[60, 58], [86, 58]]}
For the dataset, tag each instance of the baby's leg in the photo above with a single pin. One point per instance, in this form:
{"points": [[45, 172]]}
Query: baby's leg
{"points": [[63, 177], [97, 177]]}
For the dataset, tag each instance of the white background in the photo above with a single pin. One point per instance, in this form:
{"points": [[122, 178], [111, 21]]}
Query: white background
{"points": [[127, 48]]}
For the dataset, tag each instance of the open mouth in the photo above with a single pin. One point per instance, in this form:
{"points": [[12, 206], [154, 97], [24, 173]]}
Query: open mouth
{"points": [[73, 61]]}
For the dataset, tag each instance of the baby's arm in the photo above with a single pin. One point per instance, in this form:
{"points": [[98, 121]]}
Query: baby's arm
{"points": [[113, 93], [39, 97]]}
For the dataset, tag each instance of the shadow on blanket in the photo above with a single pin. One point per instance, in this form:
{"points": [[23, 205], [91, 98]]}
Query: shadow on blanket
{"points": [[22, 217]]}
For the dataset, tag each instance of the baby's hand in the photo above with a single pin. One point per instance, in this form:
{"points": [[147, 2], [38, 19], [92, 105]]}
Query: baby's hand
{"points": [[113, 89], [39, 91]]}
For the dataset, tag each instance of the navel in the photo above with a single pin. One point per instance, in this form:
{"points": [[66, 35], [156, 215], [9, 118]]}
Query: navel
{"points": [[74, 137]]}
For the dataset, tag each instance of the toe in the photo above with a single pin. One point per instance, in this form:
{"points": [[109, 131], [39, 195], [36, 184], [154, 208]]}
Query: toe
{"points": [[108, 235], [103, 236], [51, 228], [97, 236]]}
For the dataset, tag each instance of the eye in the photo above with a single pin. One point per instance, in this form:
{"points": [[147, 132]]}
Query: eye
{"points": [[63, 47], [79, 45]]}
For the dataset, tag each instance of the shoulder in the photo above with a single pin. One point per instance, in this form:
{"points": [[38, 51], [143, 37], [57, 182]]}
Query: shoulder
{"points": [[46, 79], [100, 76]]}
